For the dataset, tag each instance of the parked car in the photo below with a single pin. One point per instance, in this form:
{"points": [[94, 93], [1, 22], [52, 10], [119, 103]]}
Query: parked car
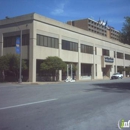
{"points": [[117, 76]]}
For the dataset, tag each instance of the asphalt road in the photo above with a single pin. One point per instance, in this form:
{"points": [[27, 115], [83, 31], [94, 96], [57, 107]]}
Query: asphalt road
{"points": [[96, 105]]}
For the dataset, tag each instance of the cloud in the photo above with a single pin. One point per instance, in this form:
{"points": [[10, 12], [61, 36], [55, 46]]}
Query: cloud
{"points": [[59, 10]]}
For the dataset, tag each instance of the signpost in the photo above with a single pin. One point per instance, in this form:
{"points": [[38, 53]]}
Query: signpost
{"points": [[19, 51]]}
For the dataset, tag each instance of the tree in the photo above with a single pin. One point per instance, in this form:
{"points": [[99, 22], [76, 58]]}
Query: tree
{"points": [[52, 65], [125, 33], [9, 64]]}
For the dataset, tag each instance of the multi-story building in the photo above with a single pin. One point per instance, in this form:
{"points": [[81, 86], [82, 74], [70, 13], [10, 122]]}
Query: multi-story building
{"points": [[99, 27], [96, 56]]}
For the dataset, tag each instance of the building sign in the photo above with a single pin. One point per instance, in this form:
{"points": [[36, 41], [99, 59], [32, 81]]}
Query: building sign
{"points": [[109, 59]]}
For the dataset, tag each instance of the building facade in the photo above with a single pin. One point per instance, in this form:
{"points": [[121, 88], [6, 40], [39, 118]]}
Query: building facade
{"points": [[95, 56], [98, 27]]}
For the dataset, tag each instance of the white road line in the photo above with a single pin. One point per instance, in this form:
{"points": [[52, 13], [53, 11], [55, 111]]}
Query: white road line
{"points": [[26, 104]]}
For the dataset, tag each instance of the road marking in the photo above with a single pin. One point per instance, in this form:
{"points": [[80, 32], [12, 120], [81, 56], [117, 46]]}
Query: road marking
{"points": [[26, 104]]}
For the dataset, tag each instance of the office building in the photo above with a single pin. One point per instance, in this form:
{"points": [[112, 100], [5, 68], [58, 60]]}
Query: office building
{"points": [[98, 27], [95, 56]]}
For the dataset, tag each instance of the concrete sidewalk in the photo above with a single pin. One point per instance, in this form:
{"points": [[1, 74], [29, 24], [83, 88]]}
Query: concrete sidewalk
{"points": [[41, 83]]}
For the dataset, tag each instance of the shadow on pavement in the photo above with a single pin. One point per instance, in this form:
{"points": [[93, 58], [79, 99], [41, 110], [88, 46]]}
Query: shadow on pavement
{"points": [[111, 87]]}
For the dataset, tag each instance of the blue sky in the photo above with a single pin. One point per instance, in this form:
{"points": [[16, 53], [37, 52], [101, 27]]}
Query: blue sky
{"points": [[112, 11]]}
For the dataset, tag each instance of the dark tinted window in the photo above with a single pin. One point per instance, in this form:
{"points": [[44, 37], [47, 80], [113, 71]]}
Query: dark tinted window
{"points": [[47, 41], [68, 45]]}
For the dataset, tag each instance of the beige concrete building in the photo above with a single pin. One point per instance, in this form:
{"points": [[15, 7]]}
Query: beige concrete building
{"points": [[95, 56], [98, 27]]}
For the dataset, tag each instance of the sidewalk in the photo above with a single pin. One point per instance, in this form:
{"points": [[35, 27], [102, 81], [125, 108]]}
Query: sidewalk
{"points": [[42, 83]]}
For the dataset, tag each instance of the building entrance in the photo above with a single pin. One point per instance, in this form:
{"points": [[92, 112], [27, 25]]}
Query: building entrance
{"points": [[106, 71]]}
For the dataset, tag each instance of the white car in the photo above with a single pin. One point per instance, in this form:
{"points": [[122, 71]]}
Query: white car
{"points": [[117, 76]]}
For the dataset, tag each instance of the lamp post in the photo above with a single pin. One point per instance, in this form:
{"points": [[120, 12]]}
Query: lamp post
{"points": [[20, 67]]}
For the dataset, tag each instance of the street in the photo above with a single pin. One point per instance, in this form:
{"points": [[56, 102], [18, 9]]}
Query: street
{"points": [[86, 105]]}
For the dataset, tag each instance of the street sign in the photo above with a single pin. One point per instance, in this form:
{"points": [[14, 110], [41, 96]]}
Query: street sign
{"points": [[17, 45]]}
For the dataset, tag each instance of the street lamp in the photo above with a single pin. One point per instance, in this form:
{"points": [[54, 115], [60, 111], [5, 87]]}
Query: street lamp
{"points": [[20, 69]]}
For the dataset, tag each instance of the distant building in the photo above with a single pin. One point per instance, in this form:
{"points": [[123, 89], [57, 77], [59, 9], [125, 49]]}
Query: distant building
{"points": [[99, 27]]}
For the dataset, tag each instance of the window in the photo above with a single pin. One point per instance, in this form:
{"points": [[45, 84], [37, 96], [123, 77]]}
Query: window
{"points": [[105, 52], [85, 70], [53, 42], [86, 49], [41, 40], [56, 43], [44, 41], [47, 41], [127, 57], [119, 55], [25, 39], [11, 40], [71, 46], [68, 45]]}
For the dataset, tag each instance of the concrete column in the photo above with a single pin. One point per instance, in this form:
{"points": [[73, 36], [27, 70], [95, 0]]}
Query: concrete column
{"points": [[60, 42], [116, 60], [1, 44], [124, 73], [32, 57], [60, 75], [78, 72], [92, 71], [60, 71], [93, 66]]}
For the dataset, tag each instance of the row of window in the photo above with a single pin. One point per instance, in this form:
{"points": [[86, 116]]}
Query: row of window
{"points": [[11, 40], [54, 43], [115, 38], [47, 41], [104, 34], [86, 49], [68, 45], [121, 56], [113, 31], [113, 34], [97, 24], [97, 28]]}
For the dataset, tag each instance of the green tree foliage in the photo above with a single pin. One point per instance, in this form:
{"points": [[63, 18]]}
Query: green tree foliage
{"points": [[10, 63], [125, 33], [52, 65], [4, 62], [74, 68]]}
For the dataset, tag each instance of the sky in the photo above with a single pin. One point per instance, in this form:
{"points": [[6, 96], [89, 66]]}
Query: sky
{"points": [[112, 11]]}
